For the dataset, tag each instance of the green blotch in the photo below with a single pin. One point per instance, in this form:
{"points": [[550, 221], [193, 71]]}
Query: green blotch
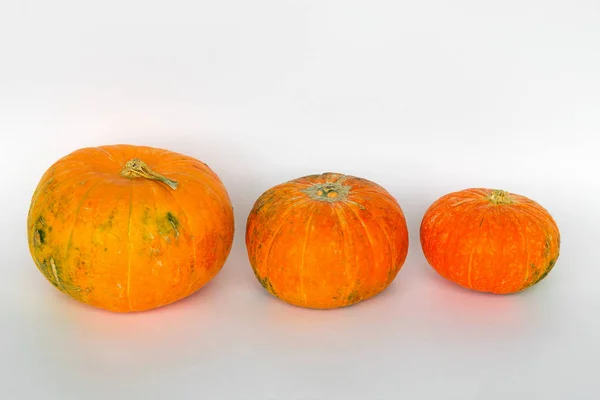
{"points": [[174, 222], [551, 265], [146, 216], [44, 266], [547, 246], [172, 219], [266, 283], [39, 232], [353, 296], [109, 221], [40, 237], [168, 225]]}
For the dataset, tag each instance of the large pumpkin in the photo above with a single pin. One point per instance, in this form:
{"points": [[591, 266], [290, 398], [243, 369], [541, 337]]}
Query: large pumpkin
{"points": [[490, 240], [326, 241], [129, 228]]}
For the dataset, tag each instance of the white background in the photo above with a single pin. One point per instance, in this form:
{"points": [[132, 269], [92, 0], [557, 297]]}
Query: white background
{"points": [[423, 97]]}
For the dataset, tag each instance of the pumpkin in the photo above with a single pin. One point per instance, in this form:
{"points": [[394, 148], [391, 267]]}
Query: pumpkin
{"points": [[326, 241], [490, 240], [129, 228]]}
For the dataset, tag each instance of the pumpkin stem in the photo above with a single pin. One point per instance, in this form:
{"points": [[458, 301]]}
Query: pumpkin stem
{"points": [[329, 192], [136, 168], [500, 197]]}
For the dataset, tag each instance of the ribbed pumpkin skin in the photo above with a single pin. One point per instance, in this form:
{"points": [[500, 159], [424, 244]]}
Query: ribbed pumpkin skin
{"points": [[326, 241], [129, 244], [490, 240]]}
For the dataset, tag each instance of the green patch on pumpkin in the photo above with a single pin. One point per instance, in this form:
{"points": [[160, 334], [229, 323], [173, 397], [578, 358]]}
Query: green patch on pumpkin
{"points": [[39, 232], [44, 267], [266, 283], [109, 221], [168, 225], [39, 237], [353, 296], [146, 217], [173, 221], [551, 265]]}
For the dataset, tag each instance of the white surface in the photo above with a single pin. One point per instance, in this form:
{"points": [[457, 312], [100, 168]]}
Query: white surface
{"points": [[423, 97]]}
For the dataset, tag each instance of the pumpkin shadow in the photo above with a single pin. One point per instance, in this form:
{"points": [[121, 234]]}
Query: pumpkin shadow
{"points": [[497, 315], [175, 334]]}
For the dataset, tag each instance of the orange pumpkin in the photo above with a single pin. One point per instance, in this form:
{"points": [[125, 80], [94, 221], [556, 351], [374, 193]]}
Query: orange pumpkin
{"points": [[129, 228], [490, 240], [326, 241]]}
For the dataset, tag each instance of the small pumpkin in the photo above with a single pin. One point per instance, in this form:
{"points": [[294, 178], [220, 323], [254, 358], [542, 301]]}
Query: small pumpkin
{"points": [[326, 241], [129, 228], [490, 240]]}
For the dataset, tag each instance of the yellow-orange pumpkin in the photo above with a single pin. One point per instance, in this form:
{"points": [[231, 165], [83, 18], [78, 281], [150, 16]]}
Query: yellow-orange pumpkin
{"points": [[326, 241], [129, 228], [490, 240]]}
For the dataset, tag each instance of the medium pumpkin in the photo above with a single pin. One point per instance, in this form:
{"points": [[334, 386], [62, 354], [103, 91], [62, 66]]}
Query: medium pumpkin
{"points": [[129, 228], [326, 241], [490, 240]]}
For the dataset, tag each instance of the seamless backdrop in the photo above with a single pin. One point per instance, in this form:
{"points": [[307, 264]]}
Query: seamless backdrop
{"points": [[421, 97]]}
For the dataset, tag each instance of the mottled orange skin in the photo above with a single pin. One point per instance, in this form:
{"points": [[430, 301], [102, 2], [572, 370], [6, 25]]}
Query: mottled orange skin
{"points": [[490, 241], [129, 244], [326, 253]]}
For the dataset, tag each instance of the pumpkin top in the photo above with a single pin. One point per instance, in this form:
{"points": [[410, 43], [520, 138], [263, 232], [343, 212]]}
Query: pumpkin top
{"points": [[329, 188], [329, 192], [136, 168], [500, 197]]}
